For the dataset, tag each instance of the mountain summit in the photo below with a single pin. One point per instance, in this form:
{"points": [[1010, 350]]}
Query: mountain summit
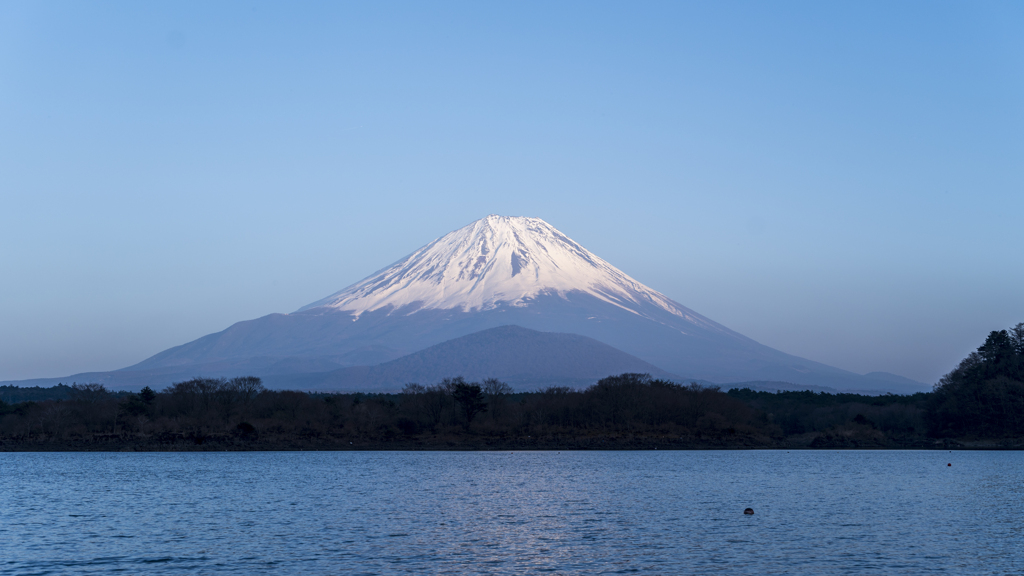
{"points": [[495, 261], [497, 271]]}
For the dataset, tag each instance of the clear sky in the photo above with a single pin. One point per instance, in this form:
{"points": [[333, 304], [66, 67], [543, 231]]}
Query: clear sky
{"points": [[843, 181]]}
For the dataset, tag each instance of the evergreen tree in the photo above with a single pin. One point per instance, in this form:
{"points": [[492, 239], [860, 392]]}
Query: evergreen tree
{"points": [[471, 399], [984, 394]]}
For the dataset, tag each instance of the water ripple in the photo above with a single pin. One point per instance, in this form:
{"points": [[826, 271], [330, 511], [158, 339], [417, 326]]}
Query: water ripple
{"points": [[843, 512]]}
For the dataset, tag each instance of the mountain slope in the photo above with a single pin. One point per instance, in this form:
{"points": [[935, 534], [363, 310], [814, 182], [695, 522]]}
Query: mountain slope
{"points": [[527, 359]]}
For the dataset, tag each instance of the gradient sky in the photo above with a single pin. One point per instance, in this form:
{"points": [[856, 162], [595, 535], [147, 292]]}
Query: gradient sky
{"points": [[843, 181]]}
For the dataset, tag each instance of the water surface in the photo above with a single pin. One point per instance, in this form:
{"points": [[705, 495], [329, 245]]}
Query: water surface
{"points": [[660, 512]]}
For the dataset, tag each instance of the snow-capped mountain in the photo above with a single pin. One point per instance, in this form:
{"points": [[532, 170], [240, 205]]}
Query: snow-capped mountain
{"points": [[496, 261], [497, 271]]}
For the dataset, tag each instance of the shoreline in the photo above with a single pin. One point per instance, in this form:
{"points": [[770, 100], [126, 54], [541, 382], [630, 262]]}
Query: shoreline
{"points": [[484, 444]]}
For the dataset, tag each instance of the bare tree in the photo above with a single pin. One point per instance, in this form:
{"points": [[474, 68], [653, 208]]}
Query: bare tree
{"points": [[413, 388], [246, 389], [436, 399], [497, 393], [90, 393]]}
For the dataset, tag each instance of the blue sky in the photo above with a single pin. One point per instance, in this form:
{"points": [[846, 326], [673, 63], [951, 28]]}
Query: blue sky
{"points": [[841, 181]]}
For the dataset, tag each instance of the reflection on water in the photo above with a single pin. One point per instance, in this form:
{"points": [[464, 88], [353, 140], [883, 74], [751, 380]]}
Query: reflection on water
{"points": [[483, 513]]}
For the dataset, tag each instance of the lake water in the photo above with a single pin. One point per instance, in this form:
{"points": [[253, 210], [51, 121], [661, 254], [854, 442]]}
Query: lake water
{"points": [[817, 512]]}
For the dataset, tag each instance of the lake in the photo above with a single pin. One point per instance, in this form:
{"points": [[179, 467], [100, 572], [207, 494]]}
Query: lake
{"points": [[656, 512]]}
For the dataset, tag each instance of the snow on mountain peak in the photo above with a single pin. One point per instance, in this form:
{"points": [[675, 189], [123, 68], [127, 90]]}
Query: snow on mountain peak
{"points": [[497, 260]]}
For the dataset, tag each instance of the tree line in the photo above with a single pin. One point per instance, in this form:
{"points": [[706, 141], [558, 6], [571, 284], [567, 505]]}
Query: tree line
{"points": [[983, 397], [984, 394], [240, 411]]}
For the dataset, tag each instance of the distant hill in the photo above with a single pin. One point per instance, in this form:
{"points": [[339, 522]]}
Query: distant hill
{"points": [[526, 359], [766, 386], [897, 383]]}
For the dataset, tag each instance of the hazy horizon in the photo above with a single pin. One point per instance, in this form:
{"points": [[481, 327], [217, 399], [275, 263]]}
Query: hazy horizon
{"points": [[838, 182]]}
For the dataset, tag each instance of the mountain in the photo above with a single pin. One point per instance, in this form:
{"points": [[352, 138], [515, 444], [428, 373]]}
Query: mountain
{"points": [[526, 359], [499, 261], [888, 380], [494, 272]]}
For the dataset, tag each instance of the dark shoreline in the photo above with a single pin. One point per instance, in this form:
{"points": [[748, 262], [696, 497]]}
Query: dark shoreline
{"points": [[479, 444]]}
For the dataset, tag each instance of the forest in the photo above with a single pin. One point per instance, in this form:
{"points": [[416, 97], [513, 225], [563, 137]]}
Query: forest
{"points": [[979, 404]]}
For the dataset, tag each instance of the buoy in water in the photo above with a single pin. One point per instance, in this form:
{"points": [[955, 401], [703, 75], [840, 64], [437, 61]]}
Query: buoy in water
{"points": [[748, 511], [950, 464]]}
